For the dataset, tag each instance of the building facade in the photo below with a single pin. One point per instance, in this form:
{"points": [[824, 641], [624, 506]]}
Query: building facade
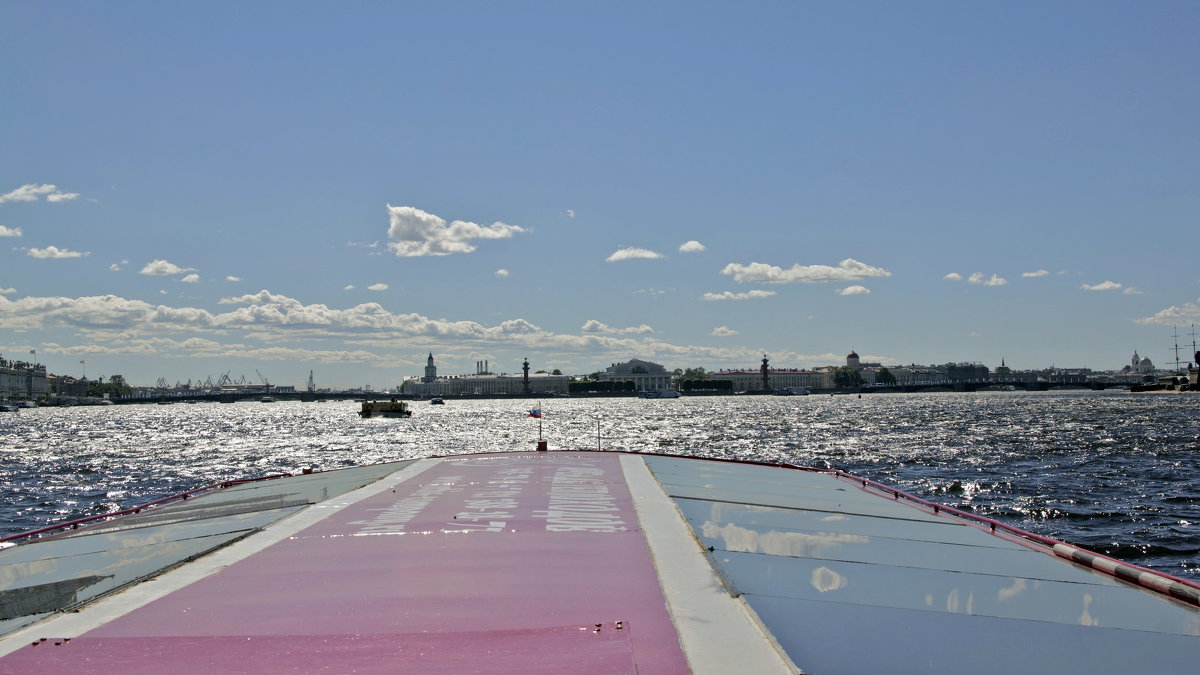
{"points": [[485, 385], [482, 383], [21, 380], [645, 375], [777, 379]]}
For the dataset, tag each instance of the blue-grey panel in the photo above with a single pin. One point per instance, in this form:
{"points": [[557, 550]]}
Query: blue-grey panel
{"points": [[38, 586], [47, 551], [762, 479], [772, 486], [807, 500], [956, 593], [112, 568], [700, 511], [982, 554], [835, 639], [314, 487]]}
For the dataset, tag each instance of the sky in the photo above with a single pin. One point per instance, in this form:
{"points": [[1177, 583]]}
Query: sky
{"points": [[266, 189]]}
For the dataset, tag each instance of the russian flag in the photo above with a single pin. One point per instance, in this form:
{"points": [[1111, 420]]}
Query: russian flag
{"points": [[536, 412]]}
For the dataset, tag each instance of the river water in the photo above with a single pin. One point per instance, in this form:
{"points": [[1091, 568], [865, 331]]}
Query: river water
{"points": [[1114, 472]]}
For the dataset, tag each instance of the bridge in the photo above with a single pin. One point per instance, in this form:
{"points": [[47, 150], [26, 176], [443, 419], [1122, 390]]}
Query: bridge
{"points": [[198, 396]]}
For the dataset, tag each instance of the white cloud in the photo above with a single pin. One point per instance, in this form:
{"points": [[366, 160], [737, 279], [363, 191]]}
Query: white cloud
{"points": [[692, 246], [570, 213], [232, 278], [191, 279], [348, 287], [855, 290], [730, 295], [10, 231], [847, 270], [502, 273], [1173, 316], [31, 192], [54, 252], [953, 276], [6, 291], [417, 233], [162, 268], [593, 326], [724, 331], [377, 287], [649, 291], [1031, 275], [274, 326], [1131, 291], [978, 278], [633, 254], [1103, 286]]}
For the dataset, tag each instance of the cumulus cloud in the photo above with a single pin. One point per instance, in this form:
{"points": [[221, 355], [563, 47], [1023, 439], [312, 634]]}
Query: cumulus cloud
{"points": [[6, 291], [1103, 286], [730, 295], [1031, 275], [593, 326], [953, 276], [847, 270], [633, 254], [724, 331], [1131, 291], [1173, 316], [31, 193], [348, 287], [502, 273], [570, 213], [994, 280], [232, 278], [416, 233], [191, 279], [162, 268], [855, 290], [10, 231], [274, 326], [692, 246], [377, 287], [54, 252]]}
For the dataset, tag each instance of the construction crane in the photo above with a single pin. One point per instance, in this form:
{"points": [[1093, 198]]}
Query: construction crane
{"points": [[266, 384]]}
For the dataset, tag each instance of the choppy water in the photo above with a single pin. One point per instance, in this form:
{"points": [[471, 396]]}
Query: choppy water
{"points": [[1114, 472]]}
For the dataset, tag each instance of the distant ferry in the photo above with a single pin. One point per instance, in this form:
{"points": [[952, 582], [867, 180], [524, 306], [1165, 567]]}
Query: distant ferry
{"points": [[391, 408], [792, 391]]}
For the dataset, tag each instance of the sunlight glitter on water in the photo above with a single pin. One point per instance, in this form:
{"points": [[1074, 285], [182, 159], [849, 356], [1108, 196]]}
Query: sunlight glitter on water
{"points": [[1111, 471]]}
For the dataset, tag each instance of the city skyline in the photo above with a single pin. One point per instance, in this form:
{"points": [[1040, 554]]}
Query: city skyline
{"points": [[190, 191]]}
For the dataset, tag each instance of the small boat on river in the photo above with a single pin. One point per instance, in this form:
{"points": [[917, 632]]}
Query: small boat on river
{"points": [[392, 408]]}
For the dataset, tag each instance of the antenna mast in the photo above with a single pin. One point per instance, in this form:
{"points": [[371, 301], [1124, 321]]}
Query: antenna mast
{"points": [[1176, 329]]}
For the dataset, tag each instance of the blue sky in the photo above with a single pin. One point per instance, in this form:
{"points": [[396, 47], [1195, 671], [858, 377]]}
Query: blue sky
{"points": [[193, 189]]}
